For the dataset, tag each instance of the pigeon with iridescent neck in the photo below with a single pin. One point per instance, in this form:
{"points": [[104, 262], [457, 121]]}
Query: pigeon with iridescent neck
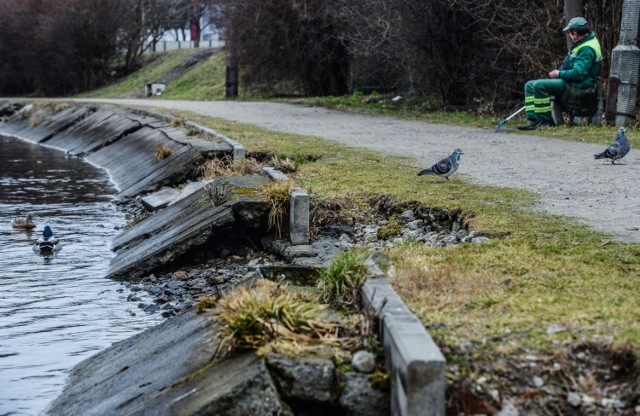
{"points": [[618, 149], [446, 167]]}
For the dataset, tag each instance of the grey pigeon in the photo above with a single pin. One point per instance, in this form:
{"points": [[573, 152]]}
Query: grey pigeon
{"points": [[618, 149], [446, 167]]}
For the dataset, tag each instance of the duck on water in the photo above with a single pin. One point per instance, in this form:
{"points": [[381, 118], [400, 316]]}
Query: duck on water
{"points": [[23, 224], [47, 244]]}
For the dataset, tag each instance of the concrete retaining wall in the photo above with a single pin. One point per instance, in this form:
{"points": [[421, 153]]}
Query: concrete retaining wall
{"points": [[120, 142]]}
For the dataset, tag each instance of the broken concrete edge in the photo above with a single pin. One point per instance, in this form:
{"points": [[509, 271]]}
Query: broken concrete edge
{"points": [[414, 361], [299, 232], [239, 151]]}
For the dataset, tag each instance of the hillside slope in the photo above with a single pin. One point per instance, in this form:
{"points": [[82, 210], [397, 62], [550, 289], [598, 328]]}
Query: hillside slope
{"points": [[190, 74]]}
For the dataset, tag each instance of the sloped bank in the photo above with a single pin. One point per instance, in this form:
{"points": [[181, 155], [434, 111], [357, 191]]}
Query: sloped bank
{"points": [[127, 146]]}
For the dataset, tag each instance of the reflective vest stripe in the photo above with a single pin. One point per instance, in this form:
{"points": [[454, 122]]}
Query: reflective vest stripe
{"points": [[593, 44]]}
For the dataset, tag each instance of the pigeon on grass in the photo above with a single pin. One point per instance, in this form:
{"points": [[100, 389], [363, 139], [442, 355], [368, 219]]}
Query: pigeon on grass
{"points": [[446, 167], [618, 149]]}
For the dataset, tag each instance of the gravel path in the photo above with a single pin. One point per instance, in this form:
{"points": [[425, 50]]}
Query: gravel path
{"points": [[565, 174]]}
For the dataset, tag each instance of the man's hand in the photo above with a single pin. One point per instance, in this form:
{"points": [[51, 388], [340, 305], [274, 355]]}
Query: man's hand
{"points": [[554, 74]]}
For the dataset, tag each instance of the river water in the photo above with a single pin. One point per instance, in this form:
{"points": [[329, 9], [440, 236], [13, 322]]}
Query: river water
{"points": [[56, 311]]}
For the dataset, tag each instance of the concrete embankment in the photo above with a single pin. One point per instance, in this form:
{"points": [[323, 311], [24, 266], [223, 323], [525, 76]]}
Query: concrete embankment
{"points": [[168, 369]]}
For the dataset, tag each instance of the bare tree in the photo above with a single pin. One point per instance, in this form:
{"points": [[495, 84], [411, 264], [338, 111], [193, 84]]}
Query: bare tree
{"points": [[288, 46]]}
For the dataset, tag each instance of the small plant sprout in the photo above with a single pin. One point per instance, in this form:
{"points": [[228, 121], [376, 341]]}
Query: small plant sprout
{"points": [[193, 132], [163, 152], [340, 283], [278, 194]]}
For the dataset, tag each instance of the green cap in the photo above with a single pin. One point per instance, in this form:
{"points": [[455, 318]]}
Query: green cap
{"points": [[576, 23]]}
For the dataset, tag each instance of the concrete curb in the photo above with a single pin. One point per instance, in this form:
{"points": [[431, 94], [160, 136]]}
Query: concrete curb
{"points": [[239, 152], [415, 363]]}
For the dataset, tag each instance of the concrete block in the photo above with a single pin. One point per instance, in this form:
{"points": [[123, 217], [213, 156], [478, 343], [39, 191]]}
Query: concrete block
{"points": [[299, 217], [239, 152], [414, 361], [273, 174], [190, 188], [159, 199], [378, 294]]}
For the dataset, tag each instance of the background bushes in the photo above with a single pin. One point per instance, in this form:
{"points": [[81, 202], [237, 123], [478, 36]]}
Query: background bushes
{"points": [[469, 53]]}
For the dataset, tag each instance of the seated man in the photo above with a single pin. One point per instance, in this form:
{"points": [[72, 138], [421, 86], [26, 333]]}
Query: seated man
{"points": [[580, 68]]}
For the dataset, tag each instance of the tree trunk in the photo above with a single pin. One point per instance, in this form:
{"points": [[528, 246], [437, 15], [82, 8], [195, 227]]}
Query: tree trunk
{"points": [[572, 8]]}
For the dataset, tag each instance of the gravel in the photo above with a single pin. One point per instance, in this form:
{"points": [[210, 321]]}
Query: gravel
{"points": [[570, 182]]}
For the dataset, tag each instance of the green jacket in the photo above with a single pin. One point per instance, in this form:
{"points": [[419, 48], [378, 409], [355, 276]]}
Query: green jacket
{"points": [[582, 65]]}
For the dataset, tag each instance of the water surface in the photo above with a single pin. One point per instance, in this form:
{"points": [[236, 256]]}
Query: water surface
{"points": [[55, 312]]}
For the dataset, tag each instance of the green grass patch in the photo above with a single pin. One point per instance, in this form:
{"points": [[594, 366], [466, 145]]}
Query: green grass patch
{"points": [[205, 81], [538, 271]]}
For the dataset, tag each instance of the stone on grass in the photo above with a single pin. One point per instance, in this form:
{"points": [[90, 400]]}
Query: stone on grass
{"points": [[363, 362], [574, 399], [479, 240]]}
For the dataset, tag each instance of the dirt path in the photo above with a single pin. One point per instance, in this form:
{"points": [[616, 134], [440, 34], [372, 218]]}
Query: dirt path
{"points": [[570, 181]]}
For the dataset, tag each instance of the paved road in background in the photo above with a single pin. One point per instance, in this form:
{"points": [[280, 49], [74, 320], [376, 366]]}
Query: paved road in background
{"points": [[569, 180]]}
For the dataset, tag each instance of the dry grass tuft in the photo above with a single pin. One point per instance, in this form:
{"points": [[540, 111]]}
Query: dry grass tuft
{"points": [[247, 166], [34, 121], [338, 210], [271, 318], [227, 167], [278, 194], [59, 107], [215, 168], [163, 152], [285, 165], [206, 302], [178, 121], [441, 287]]}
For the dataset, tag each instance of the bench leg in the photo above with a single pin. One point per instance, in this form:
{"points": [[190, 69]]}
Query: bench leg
{"points": [[596, 119], [556, 114]]}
